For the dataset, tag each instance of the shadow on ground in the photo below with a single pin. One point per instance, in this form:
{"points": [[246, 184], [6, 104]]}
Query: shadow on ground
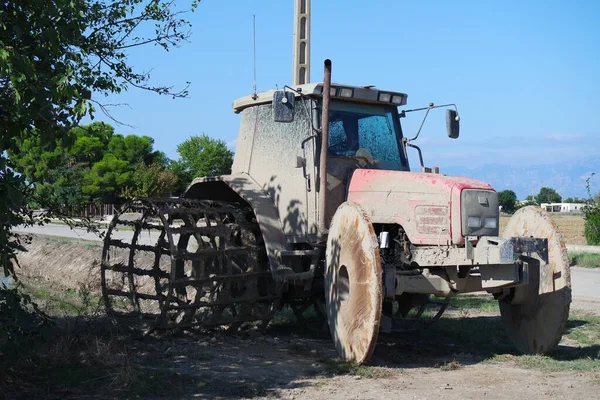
{"points": [[100, 358]]}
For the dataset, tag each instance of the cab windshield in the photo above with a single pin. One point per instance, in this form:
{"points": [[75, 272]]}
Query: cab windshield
{"points": [[365, 131]]}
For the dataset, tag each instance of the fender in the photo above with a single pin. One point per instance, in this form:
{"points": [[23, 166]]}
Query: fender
{"points": [[240, 185]]}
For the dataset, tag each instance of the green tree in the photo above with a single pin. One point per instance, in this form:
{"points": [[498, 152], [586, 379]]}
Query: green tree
{"points": [[132, 148], [152, 181], [58, 174], [202, 156], [107, 179], [53, 55], [508, 200], [548, 195], [576, 200]]}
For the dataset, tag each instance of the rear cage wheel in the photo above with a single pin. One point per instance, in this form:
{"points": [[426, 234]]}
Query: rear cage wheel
{"points": [[187, 263]]}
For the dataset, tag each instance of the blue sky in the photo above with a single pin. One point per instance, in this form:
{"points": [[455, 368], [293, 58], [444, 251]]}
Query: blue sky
{"points": [[524, 74]]}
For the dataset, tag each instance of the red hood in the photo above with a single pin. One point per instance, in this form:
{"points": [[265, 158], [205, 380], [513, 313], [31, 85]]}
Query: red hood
{"points": [[427, 206], [366, 180]]}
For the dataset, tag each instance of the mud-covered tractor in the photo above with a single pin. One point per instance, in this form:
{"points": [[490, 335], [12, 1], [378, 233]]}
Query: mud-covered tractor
{"points": [[322, 208]]}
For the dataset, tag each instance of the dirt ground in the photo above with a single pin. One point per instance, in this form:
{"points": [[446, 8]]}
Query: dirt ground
{"points": [[466, 355], [290, 362]]}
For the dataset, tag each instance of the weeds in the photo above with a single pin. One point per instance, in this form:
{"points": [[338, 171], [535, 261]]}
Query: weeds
{"points": [[451, 366], [338, 366], [585, 260]]}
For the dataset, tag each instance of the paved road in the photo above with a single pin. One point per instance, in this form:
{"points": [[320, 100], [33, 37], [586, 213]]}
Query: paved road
{"points": [[585, 282], [79, 233]]}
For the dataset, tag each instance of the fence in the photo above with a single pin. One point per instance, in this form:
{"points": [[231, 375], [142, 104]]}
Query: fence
{"points": [[93, 211]]}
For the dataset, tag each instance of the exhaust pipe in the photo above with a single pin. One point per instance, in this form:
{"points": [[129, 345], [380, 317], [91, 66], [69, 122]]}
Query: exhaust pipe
{"points": [[323, 224]]}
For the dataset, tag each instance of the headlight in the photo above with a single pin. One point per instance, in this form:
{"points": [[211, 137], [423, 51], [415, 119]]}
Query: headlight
{"points": [[474, 222], [490, 223]]}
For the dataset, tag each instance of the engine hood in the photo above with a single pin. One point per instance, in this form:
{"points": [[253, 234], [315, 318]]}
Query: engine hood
{"points": [[426, 205]]}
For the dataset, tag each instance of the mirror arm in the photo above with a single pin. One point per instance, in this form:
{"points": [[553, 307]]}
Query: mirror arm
{"points": [[418, 150], [402, 114], [423, 122]]}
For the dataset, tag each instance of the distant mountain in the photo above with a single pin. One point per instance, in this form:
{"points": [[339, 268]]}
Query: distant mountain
{"points": [[567, 178]]}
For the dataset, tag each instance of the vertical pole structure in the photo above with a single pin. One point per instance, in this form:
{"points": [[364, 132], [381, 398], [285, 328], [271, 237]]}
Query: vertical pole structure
{"points": [[323, 224], [301, 71]]}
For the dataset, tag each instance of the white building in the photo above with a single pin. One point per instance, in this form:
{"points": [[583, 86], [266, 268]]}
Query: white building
{"points": [[563, 207]]}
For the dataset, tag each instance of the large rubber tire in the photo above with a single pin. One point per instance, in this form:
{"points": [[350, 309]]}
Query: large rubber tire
{"points": [[538, 322], [353, 284]]}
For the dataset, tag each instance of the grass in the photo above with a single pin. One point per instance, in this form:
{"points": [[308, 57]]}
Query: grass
{"points": [[585, 260], [338, 366], [478, 303], [486, 339], [62, 303], [451, 366], [579, 350]]}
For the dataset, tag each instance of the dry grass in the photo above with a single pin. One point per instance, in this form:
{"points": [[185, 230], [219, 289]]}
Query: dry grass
{"points": [[569, 225]]}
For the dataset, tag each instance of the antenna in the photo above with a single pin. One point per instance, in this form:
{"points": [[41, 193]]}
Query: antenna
{"points": [[254, 96]]}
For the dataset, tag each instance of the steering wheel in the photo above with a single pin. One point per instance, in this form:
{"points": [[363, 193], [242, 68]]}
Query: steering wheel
{"points": [[338, 147]]}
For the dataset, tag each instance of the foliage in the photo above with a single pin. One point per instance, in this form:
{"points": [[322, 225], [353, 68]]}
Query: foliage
{"points": [[152, 181], [106, 178], [20, 319], [591, 213], [54, 55], [548, 195], [575, 200], [508, 200], [202, 156], [92, 164]]}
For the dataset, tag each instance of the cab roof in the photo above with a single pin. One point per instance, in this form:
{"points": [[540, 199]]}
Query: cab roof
{"points": [[359, 94]]}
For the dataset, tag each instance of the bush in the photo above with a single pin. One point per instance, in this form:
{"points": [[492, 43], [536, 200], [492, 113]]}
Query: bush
{"points": [[591, 213], [592, 228]]}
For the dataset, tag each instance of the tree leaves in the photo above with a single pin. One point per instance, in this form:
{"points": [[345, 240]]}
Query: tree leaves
{"points": [[202, 156]]}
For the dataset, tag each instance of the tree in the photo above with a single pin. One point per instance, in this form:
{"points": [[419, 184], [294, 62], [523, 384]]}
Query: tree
{"points": [[202, 156], [508, 200], [107, 178], [548, 195], [59, 175], [575, 200], [151, 181], [132, 148], [54, 54]]}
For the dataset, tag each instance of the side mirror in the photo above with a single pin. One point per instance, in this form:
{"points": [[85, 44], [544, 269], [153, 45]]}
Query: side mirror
{"points": [[452, 124], [283, 106]]}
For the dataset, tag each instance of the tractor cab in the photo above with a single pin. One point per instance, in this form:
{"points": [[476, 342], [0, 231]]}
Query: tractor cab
{"points": [[279, 143]]}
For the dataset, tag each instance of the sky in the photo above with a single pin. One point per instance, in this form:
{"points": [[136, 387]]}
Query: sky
{"points": [[525, 75]]}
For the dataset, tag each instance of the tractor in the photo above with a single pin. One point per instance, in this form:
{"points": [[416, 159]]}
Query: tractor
{"points": [[322, 208]]}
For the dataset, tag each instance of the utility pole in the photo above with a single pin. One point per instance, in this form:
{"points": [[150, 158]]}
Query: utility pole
{"points": [[301, 42]]}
